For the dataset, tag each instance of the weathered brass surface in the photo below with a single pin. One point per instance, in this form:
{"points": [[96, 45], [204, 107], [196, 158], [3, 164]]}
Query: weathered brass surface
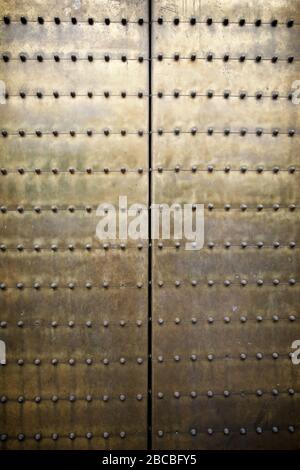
{"points": [[73, 308], [218, 80], [224, 317]]}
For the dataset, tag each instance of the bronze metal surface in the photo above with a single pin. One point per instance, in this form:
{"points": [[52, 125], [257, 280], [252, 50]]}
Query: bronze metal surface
{"points": [[224, 317], [73, 308], [135, 344]]}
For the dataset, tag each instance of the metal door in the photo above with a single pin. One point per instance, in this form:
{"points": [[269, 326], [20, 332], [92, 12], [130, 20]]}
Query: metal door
{"points": [[73, 308], [131, 343], [225, 134]]}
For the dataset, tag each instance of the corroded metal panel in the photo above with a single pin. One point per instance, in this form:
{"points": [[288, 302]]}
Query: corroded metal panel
{"points": [[225, 134], [74, 128]]}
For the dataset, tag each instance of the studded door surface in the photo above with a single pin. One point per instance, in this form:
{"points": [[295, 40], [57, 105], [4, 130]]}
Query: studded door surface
{"points": [[226, 134], [74, 124], [82, 368]]}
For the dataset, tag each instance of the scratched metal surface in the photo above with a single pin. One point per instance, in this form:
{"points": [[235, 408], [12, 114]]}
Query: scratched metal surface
{"points": [[224, 317], [73, 308]]}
